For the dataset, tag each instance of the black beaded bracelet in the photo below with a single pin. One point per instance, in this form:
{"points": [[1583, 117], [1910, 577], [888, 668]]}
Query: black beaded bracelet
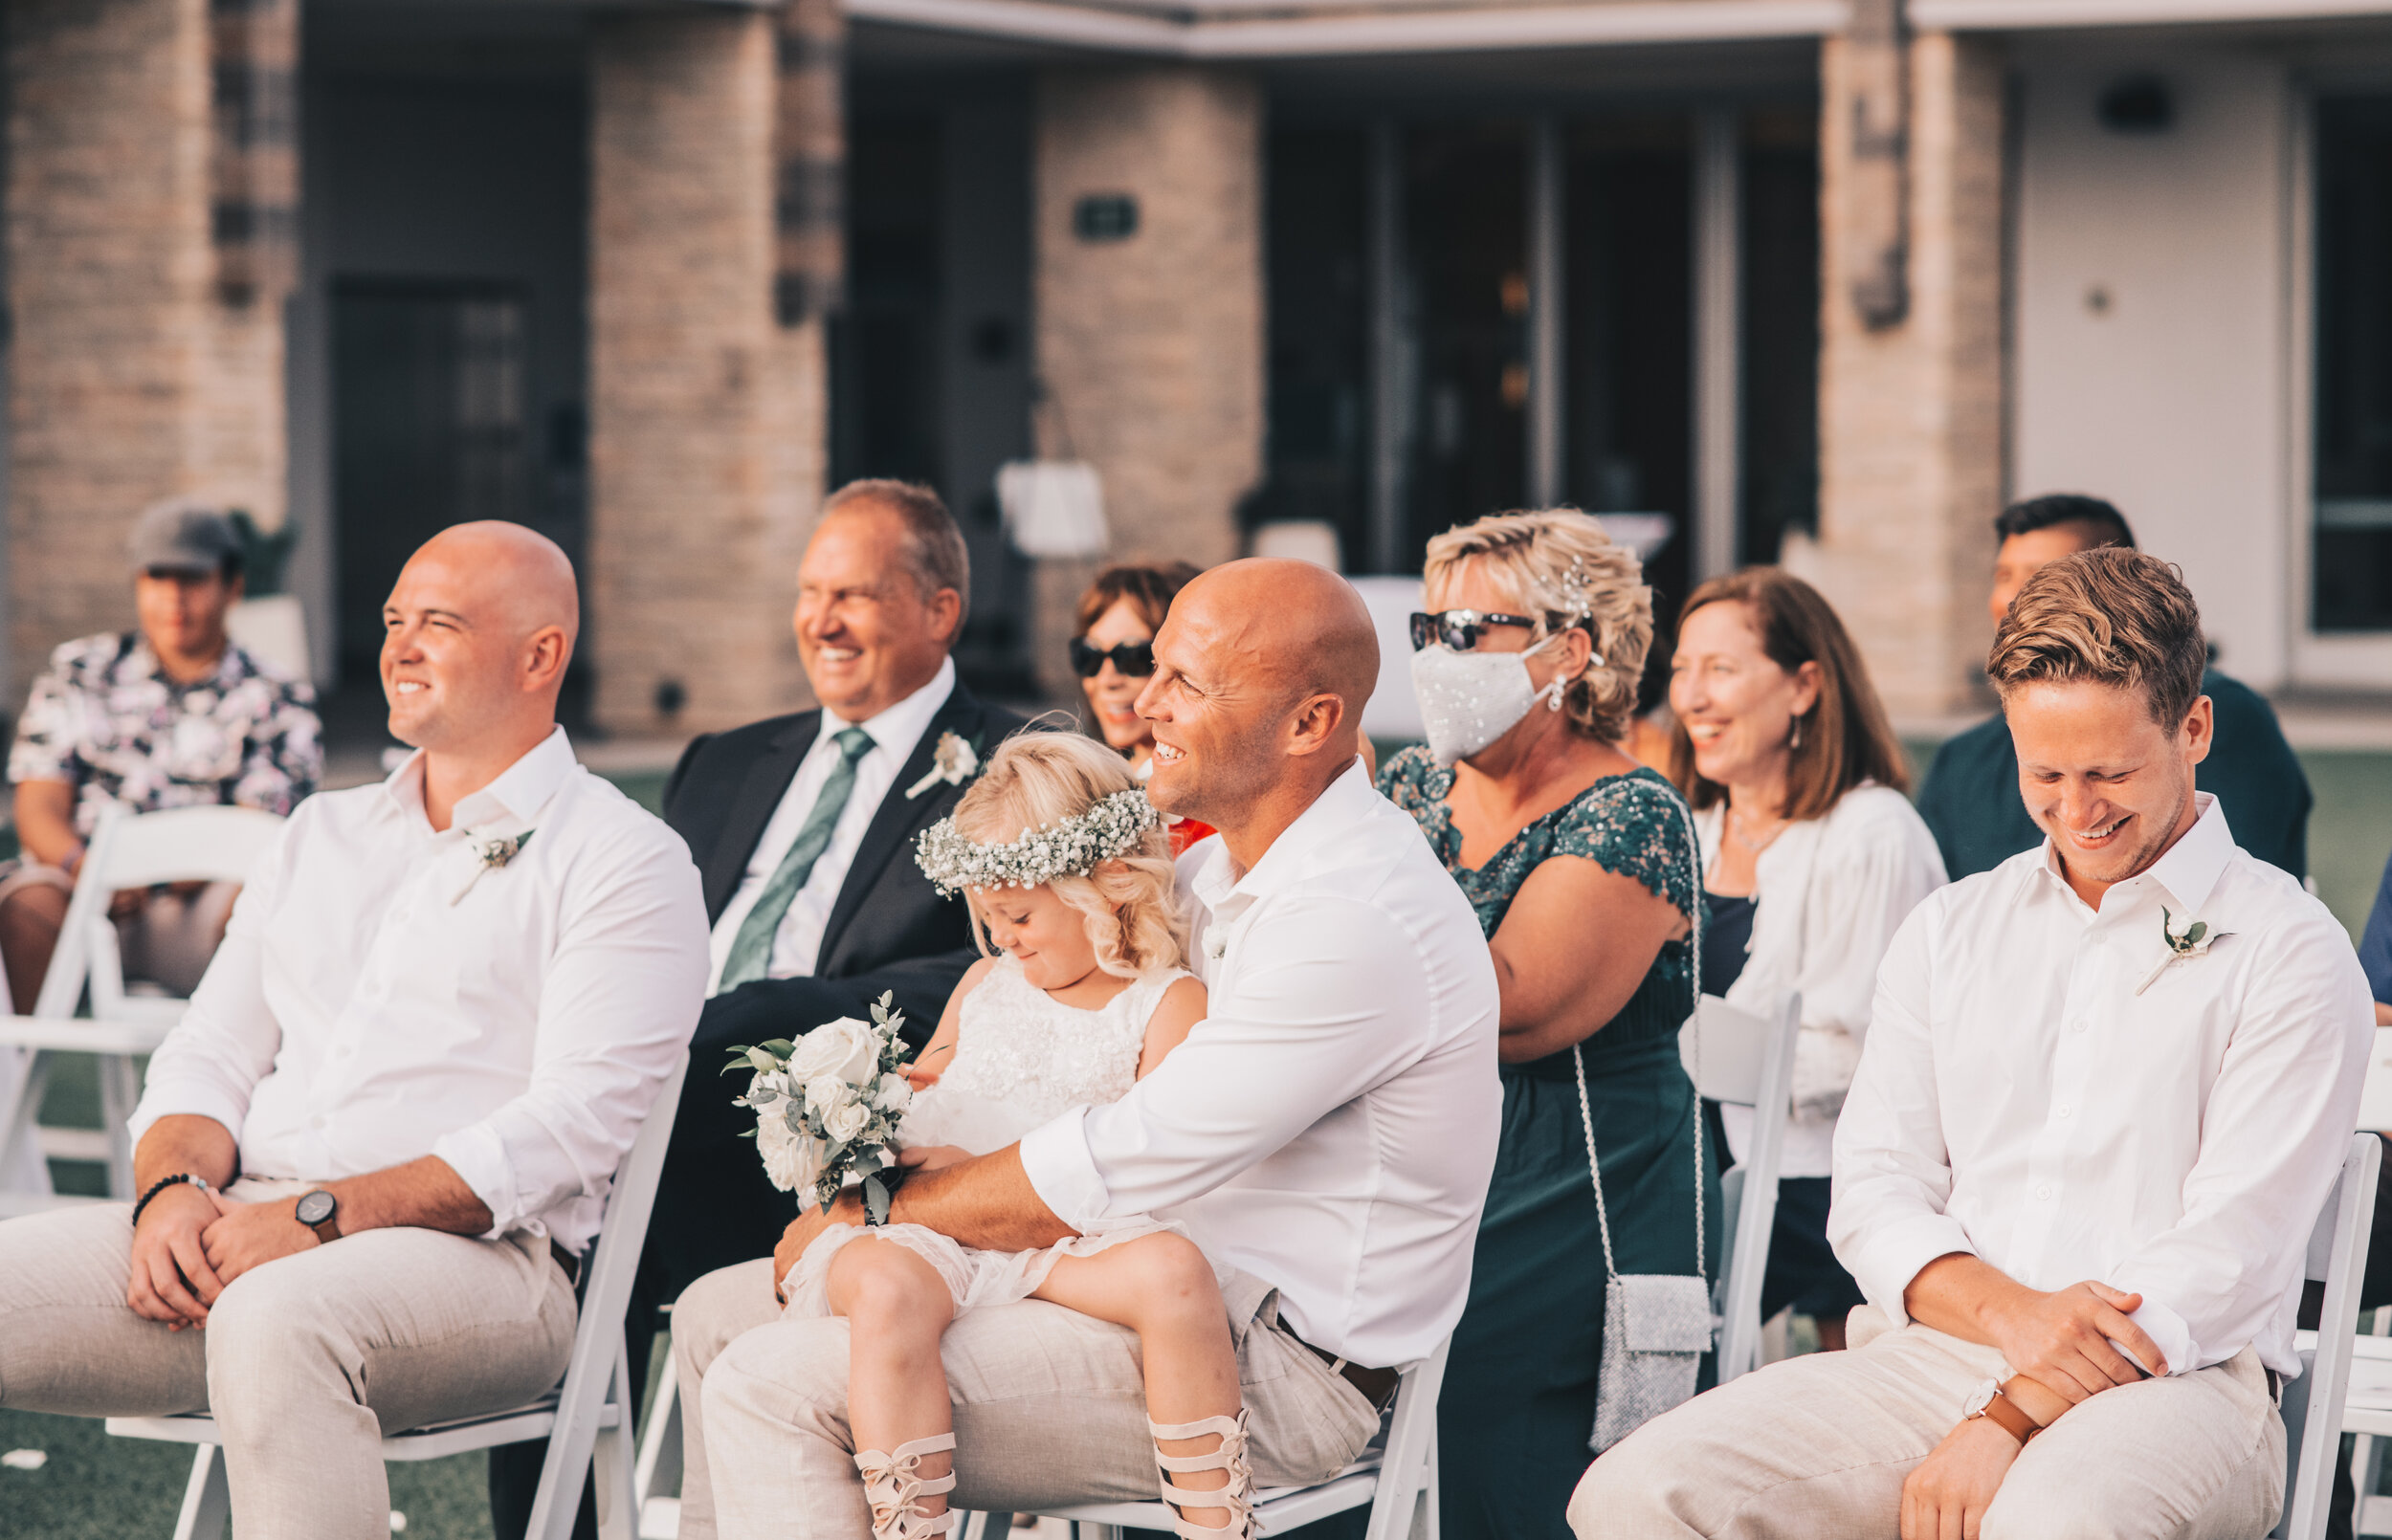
{"points": [[160, 1185]]}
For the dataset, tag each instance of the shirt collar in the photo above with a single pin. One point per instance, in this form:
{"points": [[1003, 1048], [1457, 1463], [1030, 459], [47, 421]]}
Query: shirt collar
{"points": [[1341, 803], [2188, 869], [141, 662], [519, 793], [902, 726]]}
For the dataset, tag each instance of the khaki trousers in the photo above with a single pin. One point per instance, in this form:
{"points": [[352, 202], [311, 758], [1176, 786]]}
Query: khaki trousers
{"points": [[305, 1362], [1820, 1445], [1049, 1409]]}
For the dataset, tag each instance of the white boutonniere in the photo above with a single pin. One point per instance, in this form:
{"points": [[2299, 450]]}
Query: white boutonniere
{"points": [[2193, 941], [952, 763], [490, 852]]}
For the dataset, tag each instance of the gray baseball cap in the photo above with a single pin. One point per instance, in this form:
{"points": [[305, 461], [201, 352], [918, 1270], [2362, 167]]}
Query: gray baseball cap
{"points": [[184, 535]]}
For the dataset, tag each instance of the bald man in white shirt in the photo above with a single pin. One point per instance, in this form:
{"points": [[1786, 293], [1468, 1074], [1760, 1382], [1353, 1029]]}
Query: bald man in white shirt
{"points": [[372, 1152], [2106, 1087], [1327, 1132]]}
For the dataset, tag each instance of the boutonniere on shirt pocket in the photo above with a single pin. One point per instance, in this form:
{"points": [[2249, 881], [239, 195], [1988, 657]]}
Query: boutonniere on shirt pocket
{"points": [[952, 763], [490, 852], [2193, 941]]}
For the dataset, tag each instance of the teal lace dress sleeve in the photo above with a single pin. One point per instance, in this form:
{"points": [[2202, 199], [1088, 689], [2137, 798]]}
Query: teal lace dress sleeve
{"points": [[1519, 1389]]}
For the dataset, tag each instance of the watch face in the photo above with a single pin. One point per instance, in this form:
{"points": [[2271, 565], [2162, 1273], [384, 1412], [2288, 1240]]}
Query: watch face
{"points": [[1979, 1398], [315, 1209]]}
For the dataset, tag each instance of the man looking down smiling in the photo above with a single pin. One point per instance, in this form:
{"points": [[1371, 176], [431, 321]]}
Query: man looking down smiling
{"points": [[2105, 1088]]}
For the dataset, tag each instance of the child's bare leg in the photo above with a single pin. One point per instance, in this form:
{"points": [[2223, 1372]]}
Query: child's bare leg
{"points": [[897, 1308], [1162, 1288]]}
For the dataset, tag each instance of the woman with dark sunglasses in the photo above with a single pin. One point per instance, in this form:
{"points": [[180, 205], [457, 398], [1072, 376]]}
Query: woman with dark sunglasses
{"points": [[1113, 652]]}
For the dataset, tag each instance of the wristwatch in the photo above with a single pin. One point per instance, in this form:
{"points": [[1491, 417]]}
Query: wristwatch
{"points": [[1987, 1401], [321, 1212]]}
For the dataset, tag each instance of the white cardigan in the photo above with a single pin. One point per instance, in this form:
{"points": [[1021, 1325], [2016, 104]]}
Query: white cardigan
{"points": [[1829, 893]]}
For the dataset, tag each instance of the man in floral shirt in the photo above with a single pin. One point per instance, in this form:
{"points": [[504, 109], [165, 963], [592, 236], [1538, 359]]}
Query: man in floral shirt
{"points": [[172, 714]]}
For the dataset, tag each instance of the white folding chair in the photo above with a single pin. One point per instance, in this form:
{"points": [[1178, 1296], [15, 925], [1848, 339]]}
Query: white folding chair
{"points": [[587, 1419], [1748, 1061], [127, 850], [2370, 1366], [2315, 1403], [656, 1475], [1397, 1481]]}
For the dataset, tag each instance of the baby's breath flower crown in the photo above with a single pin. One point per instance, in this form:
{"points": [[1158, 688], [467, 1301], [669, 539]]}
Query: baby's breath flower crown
{"points": [[1070, 848]]}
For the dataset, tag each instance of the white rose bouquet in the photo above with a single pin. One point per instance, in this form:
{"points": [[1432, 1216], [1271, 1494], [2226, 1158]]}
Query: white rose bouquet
{"points": [[827, 1108]]}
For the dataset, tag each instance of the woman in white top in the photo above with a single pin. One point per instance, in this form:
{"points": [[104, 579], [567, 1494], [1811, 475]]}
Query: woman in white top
{"points": [[1812, 857]]}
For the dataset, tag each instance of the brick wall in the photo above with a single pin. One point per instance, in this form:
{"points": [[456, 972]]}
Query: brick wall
{"points": [[1151, 345], [130, 376], [706, 414], [1910, 415]]}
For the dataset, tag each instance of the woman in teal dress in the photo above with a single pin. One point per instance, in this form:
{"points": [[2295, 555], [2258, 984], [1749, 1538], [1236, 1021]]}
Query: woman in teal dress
{"points": [[1580, 867]]}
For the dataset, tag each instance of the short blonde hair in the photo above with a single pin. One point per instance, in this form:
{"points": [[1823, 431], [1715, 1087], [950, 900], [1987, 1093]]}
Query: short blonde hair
{"points": [[2110, 615], [1035, 780], [1558, 565]]}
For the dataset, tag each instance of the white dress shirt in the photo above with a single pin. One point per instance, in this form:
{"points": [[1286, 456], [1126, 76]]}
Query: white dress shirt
{"points": [[796, 946], [1827, 895], [1331, 1125], [2019, 1100], [361, 1014]]}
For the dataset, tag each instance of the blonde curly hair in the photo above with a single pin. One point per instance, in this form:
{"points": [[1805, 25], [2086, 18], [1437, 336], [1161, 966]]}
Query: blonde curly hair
{"points": [[1039, 778], [1558, 565]]}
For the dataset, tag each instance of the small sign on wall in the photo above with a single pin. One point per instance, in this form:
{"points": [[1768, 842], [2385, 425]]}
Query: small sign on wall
{"points": [[1105, 216]]}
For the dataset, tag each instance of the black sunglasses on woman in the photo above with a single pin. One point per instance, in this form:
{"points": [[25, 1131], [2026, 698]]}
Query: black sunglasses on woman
{"points": [[1132, 660], [1459, 629]]}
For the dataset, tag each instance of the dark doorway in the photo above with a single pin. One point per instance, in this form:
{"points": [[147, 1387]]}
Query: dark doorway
{"points": [[1466, 237], [2350, 565], [428, 431]]}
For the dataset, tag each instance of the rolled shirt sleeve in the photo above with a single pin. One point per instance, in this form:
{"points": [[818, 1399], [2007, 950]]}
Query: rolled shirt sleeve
{"points": [[1289, 1039], [619, 1001], [1893, 1170], [227, 1041]]}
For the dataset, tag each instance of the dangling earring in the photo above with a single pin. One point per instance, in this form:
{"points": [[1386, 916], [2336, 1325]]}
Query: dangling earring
{"points": [[1796, 740], [1554, 693]]}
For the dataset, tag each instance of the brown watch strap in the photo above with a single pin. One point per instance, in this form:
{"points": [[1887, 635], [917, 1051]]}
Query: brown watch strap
{"points": [[2003, 1412]]}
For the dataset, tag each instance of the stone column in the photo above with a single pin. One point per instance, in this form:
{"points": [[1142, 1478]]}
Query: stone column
{"points": [[1911, 393], [1149, 338], [706, 412], [150, 200]]}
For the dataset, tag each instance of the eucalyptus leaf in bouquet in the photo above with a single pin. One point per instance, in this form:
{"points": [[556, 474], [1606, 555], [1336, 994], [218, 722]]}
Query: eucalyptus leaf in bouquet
{"points": [[828, 1106]]}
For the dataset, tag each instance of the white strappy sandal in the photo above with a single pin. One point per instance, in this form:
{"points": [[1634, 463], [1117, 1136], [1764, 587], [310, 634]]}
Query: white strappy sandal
{"points": [[1237, 1496], [892, 1485]]}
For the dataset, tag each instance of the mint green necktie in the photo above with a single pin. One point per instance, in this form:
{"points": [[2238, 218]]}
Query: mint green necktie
{"points": [[751, 950]]}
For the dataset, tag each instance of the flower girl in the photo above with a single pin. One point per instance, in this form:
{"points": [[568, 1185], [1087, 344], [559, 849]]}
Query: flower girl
{"points": [[1066, 868]]}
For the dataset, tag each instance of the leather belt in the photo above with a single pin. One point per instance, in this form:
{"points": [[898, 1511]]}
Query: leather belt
{"points": [[1377, 1385], [571, 1264]]}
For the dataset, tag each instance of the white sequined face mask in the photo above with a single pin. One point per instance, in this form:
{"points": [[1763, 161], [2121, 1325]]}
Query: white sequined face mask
{"points": [[1470, 699]]}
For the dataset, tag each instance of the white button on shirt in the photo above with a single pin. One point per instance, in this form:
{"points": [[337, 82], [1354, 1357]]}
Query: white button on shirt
{"points": [[360, 1015], [2177, 1143], [1330, 1126], [797, 944]]}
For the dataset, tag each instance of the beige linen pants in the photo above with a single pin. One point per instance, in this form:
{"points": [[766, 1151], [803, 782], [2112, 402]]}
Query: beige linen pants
{"points": [[305, 1362], [1820, 1445], [1049, 1409]]}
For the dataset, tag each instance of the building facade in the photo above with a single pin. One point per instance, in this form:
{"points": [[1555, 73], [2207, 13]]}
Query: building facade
{"points": [[1816, 281]]}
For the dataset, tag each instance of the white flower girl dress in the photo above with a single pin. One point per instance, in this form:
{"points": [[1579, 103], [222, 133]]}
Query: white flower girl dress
{"points": [[1022, 1058]]}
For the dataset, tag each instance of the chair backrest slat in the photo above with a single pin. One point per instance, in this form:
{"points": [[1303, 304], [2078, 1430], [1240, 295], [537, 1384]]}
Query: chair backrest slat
{"points": [[598, 1335], [2312, 1403], [184, 845]]}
